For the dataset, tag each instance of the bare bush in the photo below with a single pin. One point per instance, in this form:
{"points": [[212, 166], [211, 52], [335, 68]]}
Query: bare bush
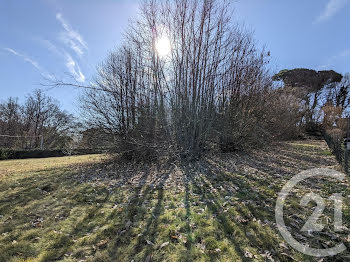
{"points": [[210, 88]]}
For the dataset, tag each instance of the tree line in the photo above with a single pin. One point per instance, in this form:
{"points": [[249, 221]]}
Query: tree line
{"points": [[39, 118]]}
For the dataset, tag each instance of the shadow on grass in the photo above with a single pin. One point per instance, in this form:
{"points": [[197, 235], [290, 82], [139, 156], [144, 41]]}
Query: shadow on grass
{"points": [[150, 232], [218, 210]]}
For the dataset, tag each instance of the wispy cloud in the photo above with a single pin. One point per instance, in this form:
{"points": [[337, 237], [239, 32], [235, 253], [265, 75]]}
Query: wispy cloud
{"points": [[50, 46], [27, 59], [332, 7], [74, 40], [71, 37], [74, 68]]}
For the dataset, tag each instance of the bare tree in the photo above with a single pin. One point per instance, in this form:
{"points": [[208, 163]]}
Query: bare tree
{"points": [[24, 126], [10, 119], [210, 88]]}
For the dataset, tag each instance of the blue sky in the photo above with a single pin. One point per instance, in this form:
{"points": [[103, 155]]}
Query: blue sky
{"points": [[42, 38]]}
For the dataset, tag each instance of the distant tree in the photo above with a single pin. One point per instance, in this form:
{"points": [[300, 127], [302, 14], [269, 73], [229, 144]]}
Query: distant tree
{"points": [[39, 117], [308, 85], [307, 78], [10, 121], [337, 102], [338, 93]]}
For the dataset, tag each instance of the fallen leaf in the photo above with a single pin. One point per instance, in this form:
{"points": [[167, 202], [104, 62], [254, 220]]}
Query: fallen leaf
{"points": [[248, 254], [102, 243], [149, 242], [164, 244]]}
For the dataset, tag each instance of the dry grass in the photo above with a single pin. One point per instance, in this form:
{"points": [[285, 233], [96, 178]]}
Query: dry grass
{"points": [[218, 209], [39, 164]]}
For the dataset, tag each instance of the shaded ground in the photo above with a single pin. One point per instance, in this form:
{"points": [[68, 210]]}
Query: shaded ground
{"points": [[218, 209]]}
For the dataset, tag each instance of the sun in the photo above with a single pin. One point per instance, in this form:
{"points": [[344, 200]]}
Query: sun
{"points": [[163, 46]]}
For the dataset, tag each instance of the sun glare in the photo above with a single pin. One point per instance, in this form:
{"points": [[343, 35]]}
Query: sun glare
{"points": [[163, 46]]}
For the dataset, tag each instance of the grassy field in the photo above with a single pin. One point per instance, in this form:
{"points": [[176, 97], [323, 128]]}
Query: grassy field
{"points": [[220, 208]]}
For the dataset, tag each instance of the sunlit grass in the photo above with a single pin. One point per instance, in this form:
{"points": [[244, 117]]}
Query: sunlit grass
{"points": [[47, 214], [37, 164]]}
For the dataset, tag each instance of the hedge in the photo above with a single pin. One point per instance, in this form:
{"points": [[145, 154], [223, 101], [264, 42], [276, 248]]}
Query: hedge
{"points": [[37, 153]]}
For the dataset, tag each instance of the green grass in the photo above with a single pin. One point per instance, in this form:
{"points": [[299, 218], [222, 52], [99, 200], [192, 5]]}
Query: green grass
{"points": [[39, 164], [219, 209]]}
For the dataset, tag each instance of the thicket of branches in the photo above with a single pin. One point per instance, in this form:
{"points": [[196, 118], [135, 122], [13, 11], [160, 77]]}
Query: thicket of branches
{"points": [[23, 125], [212, 89]]}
